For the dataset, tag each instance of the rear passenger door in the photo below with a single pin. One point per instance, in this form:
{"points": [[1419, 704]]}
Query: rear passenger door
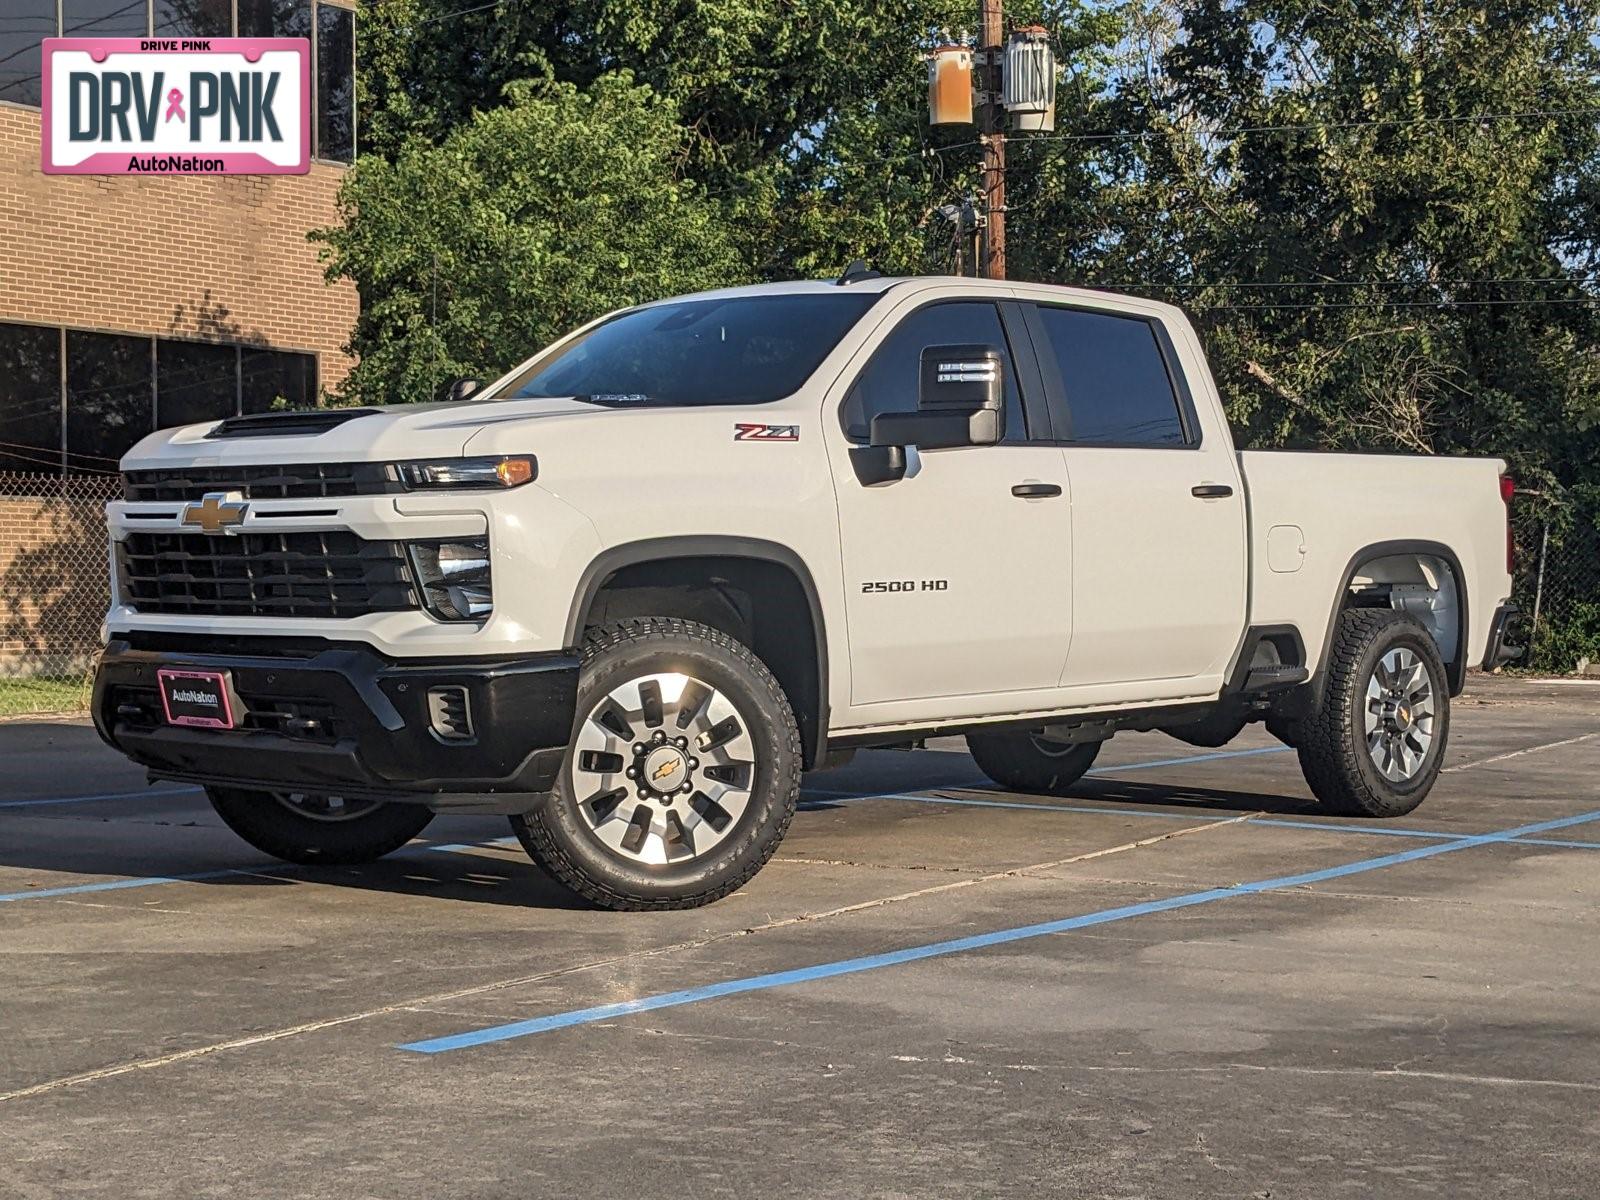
{"points": [[1158, 521]]}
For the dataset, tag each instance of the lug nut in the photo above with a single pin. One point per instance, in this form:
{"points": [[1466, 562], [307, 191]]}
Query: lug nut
{"points": [[693, 763], [687, 788], [633, 772], [681, 742], [638, 747], [660, 737]]}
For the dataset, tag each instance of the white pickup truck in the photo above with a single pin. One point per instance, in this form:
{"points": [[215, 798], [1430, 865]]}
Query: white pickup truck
{"points": [[629, 592]]}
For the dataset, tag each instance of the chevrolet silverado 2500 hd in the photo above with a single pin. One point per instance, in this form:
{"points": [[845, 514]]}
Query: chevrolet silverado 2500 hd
{"points": [[629, 592]]}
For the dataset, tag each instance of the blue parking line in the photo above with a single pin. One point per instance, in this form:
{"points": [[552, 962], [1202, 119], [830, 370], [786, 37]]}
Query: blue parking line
{"points": [[117, 885], [852, 966], [43, 800]]}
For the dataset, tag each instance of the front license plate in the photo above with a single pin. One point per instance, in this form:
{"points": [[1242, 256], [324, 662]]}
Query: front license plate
{"points": [[199, 698]]}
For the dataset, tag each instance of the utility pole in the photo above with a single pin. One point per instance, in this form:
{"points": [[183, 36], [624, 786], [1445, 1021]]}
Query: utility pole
{"points": [[991, 48]]}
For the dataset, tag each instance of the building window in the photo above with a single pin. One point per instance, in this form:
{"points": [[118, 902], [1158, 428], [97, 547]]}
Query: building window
{"points": [[195, 381], [330, 28], [271, 379], [110, 405], [336, 83], [192, 18], [120, 387], [30, 399], [104, 18], [23, 25]]}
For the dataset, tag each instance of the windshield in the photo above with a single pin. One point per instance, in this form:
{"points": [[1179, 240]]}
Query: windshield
{"points": [[738, 350]]}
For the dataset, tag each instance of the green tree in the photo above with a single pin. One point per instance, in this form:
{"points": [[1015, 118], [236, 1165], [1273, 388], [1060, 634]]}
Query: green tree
{"points": [[525, 221]]}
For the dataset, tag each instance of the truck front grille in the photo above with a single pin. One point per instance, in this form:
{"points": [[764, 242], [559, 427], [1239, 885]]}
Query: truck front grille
{"points": [[280, 482], [336, 574]]}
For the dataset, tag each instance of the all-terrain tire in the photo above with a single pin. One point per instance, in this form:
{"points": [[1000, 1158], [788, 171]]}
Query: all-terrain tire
{"points": [[562, 836], [1333, 741], [1025, 762], [278, 828]]}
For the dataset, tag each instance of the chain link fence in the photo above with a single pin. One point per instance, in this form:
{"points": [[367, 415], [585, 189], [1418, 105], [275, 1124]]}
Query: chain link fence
{"points": [[1558, 587], [54, 588]]}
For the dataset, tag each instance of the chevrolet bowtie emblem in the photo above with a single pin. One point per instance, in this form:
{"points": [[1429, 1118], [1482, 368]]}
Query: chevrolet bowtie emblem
{"points": [[217, 512], [665, 769]]}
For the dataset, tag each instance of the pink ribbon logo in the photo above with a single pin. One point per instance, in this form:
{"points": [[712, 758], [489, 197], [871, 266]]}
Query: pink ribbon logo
{"points": [[175, 105]]}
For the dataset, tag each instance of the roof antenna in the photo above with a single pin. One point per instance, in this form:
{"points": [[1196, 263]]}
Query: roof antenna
{"points": [[856, 272]]}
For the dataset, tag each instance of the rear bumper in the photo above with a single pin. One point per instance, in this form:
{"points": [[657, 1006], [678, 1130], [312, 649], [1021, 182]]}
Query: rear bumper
{"points": [[342, 718], [1506, 642]]}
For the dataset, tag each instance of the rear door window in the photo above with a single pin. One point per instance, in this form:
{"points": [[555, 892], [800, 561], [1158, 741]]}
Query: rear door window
{"points": [[1114, 378]]}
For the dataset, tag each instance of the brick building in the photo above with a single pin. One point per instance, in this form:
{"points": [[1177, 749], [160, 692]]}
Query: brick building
{"points": [[133, 303]]}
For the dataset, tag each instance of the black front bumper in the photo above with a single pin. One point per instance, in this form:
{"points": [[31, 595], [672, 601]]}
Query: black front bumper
{"points": [[342, 718]]}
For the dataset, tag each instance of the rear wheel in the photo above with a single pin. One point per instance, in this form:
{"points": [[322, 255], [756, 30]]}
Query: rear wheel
{"points": [[1026, 762], [1375, 746], [683, 773], [306, 827]]}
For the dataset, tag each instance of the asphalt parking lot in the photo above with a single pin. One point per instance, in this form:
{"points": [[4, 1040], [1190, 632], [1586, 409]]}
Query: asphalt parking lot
{"points": [[1180, 982]]}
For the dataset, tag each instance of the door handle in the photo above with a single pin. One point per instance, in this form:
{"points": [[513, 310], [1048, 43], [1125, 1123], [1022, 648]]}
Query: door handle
{"points": [[1211, 491], [1035, 491]]}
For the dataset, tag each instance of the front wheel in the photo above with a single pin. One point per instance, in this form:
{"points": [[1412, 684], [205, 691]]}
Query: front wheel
{"points": [[683, 773], [302, 827], [1374, 747], [1026, 762]]}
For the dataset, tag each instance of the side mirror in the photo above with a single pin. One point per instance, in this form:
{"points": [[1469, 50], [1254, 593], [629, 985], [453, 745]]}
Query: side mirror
{"points": [[463, 389], [960, 402]]}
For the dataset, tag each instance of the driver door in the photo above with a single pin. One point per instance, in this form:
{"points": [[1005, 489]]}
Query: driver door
{"points": [[958, 577]]}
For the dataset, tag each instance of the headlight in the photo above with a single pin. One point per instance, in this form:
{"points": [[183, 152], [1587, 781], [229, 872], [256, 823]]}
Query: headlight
{"points": [[500, 471], [454, 578]]}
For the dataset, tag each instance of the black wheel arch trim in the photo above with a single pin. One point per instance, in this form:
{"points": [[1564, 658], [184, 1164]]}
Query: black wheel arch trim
{"points": [[630, 554], [1456, 667]]}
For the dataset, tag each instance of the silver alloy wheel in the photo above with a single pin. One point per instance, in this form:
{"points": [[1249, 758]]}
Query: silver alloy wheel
{"points": [[1399, 714], [325, 808], [662, 768]]}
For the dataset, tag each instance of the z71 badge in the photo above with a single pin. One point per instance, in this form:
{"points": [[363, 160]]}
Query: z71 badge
{"points": [[745, 432]]}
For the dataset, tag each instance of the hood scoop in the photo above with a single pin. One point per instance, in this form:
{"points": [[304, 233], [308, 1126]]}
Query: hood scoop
{"points": [[306, 423]]}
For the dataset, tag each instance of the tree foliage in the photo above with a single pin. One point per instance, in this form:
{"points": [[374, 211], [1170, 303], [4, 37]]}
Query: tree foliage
{"points": [[528, 219], [1383, 213]]}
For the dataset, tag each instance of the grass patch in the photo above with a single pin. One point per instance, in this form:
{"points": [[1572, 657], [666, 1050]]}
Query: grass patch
{"points": [[42, 694]]}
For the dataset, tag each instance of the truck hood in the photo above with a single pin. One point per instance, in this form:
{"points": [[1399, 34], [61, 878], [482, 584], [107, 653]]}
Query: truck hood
{"points": [[380, 434]]}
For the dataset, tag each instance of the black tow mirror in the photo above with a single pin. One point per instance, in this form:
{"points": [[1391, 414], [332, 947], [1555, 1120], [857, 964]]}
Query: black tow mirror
{"points": [[464, 389], [960, 402]]}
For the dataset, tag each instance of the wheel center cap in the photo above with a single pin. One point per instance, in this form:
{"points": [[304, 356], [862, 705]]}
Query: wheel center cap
{"points": [[665, 769], [1402, 717]]}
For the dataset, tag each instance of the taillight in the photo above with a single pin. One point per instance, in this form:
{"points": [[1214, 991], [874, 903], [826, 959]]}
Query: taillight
{"points": [[1508, 491]]}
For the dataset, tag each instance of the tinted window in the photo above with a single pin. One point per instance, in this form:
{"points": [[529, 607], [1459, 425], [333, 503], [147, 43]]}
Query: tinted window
{"points": [[275, 18], [104, 18], [336, 83], [108, 397], [1114, 377], [889, 384], [275, 379], [23, 25], [195, 382], [194, 18], [742, 350], [30, 399]]}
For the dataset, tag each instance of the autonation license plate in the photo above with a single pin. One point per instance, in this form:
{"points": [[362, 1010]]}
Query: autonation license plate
{"points": [[199, 698]]}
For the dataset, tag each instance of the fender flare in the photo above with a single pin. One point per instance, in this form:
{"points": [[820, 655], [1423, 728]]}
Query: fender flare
{"points": [[628, 554], [1455, 668]]}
